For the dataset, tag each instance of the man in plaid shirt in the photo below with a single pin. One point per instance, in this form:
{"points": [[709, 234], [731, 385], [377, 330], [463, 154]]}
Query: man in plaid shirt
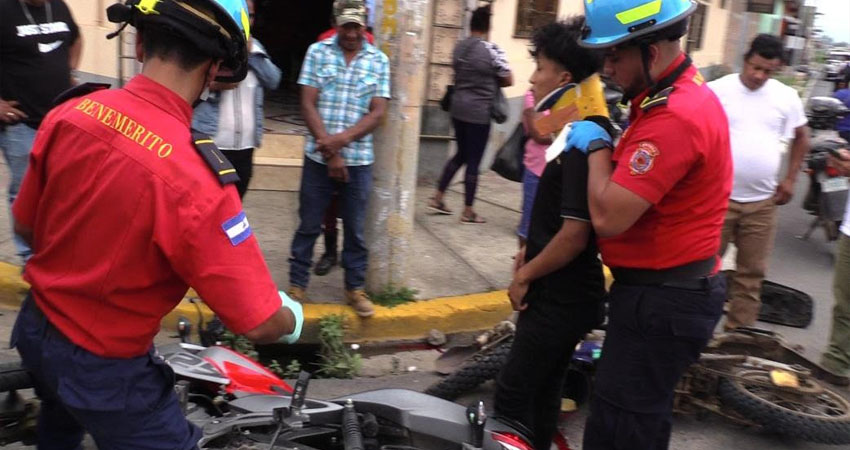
{"points": [[345, 87]]}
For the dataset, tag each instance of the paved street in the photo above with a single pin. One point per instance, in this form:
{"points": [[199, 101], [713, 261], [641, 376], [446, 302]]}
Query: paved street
{"points": [[804, 265]]}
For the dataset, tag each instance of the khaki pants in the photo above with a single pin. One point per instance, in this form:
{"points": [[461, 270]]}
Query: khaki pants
{"points": [[752, 227], [837, 355]]}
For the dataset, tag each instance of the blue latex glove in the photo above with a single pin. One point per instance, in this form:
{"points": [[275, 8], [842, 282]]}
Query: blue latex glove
{"points": [[587, 136], [297, 312]]}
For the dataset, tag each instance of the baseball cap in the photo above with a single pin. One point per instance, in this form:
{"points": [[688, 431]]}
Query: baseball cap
{"points": [[350, 11]]}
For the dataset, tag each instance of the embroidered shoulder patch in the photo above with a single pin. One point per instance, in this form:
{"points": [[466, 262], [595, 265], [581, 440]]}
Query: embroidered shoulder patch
{"points": [[237, 228], [643, 158]]}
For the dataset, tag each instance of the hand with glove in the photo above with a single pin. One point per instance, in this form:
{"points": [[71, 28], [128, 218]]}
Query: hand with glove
{"points": [[297, 313], [588, 137]]}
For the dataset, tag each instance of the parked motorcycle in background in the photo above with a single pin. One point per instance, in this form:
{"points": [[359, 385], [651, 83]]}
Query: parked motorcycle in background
{"points": [[826, 197]]}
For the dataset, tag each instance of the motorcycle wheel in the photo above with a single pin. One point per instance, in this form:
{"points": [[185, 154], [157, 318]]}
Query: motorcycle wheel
{"points": [[481, 367], [822, 417], [13, 377]]}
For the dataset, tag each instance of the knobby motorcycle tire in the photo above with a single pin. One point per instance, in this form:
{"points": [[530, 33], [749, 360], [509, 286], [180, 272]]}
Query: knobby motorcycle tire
{"points": [[784, 421], [13, 377], [483, 366]]}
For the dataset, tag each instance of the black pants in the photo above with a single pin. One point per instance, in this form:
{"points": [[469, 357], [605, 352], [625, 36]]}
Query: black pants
{"points": [[471, 142], [654, 334], [243, 162], [529, 386]]}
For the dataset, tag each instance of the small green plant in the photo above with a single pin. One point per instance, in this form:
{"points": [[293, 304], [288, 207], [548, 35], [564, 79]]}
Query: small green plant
{"points": [[292, 369], [337, 361], [393, 295], [240, 344]]}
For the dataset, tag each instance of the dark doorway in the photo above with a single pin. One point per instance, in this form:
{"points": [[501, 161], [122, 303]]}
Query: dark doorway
{"points": [[287, 28]]}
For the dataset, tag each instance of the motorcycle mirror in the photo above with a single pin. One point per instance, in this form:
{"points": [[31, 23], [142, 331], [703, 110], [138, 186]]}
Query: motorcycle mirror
{"points": [[184, 329]]}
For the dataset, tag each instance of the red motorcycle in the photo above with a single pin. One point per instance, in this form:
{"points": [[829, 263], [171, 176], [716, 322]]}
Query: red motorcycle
{"points": [[239, 404]]}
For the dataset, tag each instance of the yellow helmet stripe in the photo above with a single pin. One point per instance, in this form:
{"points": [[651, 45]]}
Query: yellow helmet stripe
{"points": [[639, 12], [147, 6]]}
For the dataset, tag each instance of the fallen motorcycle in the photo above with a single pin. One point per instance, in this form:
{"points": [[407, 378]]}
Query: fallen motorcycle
{"points": [[238, 404], [750, 376]]}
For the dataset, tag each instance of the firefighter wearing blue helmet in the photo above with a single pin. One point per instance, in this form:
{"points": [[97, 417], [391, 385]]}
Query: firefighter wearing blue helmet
{"points": [[139, 209], [657, 203]]}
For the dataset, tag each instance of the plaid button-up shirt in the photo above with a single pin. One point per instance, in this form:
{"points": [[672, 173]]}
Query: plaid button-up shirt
{"points": [[345, 93]]}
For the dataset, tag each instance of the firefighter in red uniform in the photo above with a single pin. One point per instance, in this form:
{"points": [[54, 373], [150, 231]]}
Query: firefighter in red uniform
{"points": [[658, 203], [125, 208]]}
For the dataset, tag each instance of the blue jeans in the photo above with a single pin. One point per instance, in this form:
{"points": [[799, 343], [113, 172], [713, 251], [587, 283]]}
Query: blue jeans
{"points": [[316, 191], [122, 403], [529, 192], [16, 142]]}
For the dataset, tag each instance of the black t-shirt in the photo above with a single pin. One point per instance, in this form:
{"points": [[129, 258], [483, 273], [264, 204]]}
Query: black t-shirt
{"points": [[34, 65], [562, 195]]}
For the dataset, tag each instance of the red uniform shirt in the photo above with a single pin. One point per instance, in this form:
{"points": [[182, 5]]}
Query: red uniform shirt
{"points": [[125, 215], [677, 157]]}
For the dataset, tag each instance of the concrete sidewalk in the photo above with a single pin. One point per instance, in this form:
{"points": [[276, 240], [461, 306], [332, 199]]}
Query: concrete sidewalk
{"points": [[461, 270]]}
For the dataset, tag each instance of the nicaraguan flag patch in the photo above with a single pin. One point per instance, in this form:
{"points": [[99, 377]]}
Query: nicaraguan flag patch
{"points": [[237, 228]]}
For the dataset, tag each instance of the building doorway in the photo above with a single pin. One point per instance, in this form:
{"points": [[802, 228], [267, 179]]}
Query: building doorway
{"points": [[287, 28]]}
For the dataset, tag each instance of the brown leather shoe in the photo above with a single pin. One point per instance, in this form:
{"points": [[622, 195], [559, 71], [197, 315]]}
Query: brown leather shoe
{"points": [[359, 300], [297, 293]]}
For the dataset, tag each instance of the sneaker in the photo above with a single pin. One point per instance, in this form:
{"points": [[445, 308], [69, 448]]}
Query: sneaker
{"points": [[325, 264], [359, 300], [297, 293]]}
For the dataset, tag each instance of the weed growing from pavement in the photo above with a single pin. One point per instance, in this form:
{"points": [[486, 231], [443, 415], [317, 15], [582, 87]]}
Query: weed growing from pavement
{"points": [[244, 346], [292, 369], [336, 360], [393, 295]]}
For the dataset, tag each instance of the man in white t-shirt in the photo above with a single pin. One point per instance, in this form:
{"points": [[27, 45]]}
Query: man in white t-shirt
{"points": [[764, 115]]}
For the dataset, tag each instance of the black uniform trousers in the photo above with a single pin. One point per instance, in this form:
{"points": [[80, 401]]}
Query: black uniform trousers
{"points": [[528, 388], [654, 334], [122, 402]]}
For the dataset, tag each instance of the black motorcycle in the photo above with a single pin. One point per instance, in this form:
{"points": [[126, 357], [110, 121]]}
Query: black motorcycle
{"points": [[826, 197]]}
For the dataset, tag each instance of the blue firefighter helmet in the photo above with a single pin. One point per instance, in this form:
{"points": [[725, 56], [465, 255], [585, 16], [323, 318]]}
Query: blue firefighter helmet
{"points": [[612, 22], [219, 28]]}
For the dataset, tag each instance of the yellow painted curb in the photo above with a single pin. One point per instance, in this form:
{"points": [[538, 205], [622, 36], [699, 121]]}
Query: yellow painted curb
{"points": [[409, 321], [414, 320], [13, 288]]}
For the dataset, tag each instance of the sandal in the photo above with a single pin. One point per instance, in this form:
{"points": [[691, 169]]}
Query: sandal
{"points": [[474, 220], [439, 207]]}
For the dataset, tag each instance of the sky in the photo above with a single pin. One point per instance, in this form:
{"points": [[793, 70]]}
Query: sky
{"points": [[835, 21]]}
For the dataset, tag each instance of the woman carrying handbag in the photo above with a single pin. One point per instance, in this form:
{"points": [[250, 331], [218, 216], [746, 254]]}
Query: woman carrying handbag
{"points": [[481, 70]]}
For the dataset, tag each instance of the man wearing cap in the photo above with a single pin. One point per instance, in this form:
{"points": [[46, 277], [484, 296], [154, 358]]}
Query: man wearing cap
{"points": [[657, 201], [345, 87]]}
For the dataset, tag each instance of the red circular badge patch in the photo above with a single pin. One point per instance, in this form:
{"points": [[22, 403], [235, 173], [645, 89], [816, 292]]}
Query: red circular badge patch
{"points": [[643, 158]]}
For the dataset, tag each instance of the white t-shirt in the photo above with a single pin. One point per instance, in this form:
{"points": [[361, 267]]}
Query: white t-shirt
{"points": [[845, 225], [236, 123], [760, 123]]}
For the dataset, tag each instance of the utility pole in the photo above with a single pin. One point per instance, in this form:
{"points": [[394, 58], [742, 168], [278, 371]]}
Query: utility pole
{"points": [[402, 33]]}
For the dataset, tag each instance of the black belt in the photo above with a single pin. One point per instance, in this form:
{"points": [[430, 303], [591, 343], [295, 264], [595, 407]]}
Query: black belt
{"points": [[694, 276]]}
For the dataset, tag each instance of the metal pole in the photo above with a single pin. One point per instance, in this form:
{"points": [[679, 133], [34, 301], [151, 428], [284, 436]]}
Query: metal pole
{"points": [[402, 33]]}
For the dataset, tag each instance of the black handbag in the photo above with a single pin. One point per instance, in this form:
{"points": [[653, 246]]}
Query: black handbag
{"points": [[446, 101], [500, 109], [508, 162]]}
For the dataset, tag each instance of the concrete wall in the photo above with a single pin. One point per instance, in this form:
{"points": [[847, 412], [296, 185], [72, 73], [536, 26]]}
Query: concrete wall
{"points": [[99, 58], [714, 35]]}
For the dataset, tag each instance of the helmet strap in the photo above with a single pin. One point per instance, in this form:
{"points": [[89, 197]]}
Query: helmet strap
{"points": [[205, 90], [646, 56]]}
